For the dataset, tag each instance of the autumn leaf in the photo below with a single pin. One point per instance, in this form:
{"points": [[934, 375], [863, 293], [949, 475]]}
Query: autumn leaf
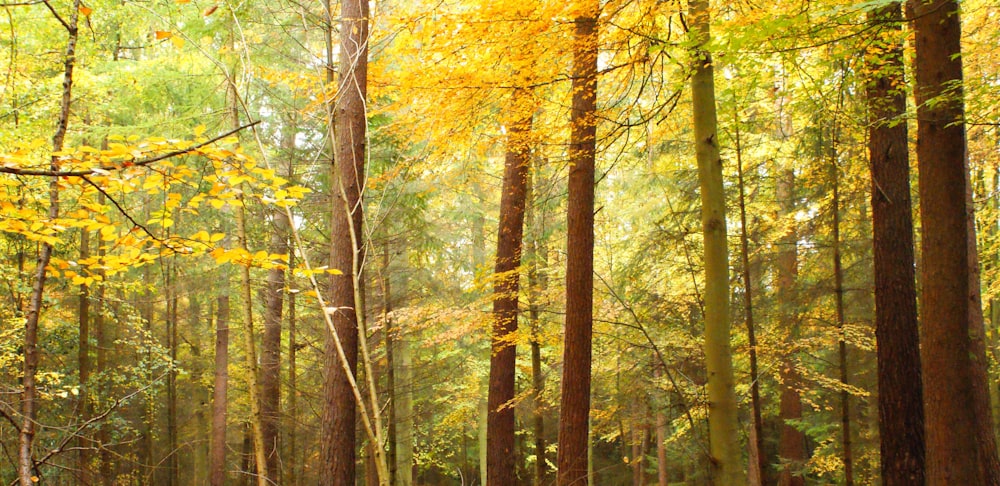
{"points": [[85, 10], [162, 34], [209, 11]]}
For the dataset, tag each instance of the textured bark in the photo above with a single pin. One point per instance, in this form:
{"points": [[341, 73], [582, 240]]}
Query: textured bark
{"points": [[270, 359], [104, 338], [348, 118], [172, 462], [501, 468], [955, 398], [757, 459], [792, 441], [722, 408], [575, 401], [838, 279], [292, 415], [900, 391], [29, 407], [83, 408]]}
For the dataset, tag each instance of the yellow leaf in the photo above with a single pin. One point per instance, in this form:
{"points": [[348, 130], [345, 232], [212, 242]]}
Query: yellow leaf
{"points": [[200, 236], [178, 42], [162, 34], [200, 129], [217, 237]]}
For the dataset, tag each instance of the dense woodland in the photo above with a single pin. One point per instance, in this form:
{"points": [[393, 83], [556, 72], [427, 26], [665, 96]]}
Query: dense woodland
{"points": [[430, 242]]}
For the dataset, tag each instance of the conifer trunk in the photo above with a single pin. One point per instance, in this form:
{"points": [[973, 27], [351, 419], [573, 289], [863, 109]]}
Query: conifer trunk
{"points": [[575, 401], [501, 468], [961, 448], [348, 120], [722, 408], [900, 391]]}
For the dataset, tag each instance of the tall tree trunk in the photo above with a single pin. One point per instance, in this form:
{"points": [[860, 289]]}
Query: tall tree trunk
{"points": [[83, 408], [27, 475], [270, 362], [792, 441], [722, 409], [170, 290], [758, 460], [292, 477], [575, 401], [217, 462], [404, 411], [104, 340], [838, 279], [900, 391], [390, 362], [955, 394], [250, 356], [348, 120], [501, 469], [537, 284]]}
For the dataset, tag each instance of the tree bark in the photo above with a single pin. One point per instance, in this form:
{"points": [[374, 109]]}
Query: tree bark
{"points": [[792, 441], [955, 397], [270, 362], [575, 401], [758, 460], [348, 120], [900, 391], [722, 409], [29, 406], [501, 467], [83, 408], [838, 279]]}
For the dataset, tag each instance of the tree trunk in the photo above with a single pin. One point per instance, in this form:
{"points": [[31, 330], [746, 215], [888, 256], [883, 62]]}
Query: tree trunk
{"points": [[501, 467], [838, 279], [792, 441], [292, 477], [348, 120], [900, 392], [404, 411], [27, 474], [83, 408], [270, 362], [170, 291], [217, 462], [955, 397], [575, 401], [758, 460], [722, 409]]}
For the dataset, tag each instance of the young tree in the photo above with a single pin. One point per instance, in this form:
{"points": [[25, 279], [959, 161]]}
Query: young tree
{"points": [[900, 392], [575, 400], [722, 408]]}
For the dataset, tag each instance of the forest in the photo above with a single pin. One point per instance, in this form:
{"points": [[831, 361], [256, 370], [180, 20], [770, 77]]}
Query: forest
{"points": [[466, 242]]}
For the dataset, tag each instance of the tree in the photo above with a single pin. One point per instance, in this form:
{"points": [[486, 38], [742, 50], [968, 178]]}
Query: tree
{"points": [[348, 121], [575, 400], [955, 397], [900, 407], [722, 408], [501, 468]]}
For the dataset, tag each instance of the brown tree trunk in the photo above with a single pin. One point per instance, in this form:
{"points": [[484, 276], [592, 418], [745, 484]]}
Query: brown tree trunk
{"points": [[575, 400], [955, 397], [792, 441], [501, 467], [104, 340], [170, 290], [217, 462], [83, 408], [348, 120], [270, 359], [758, 460], [900, 391], [29, 407], [838, 278]]}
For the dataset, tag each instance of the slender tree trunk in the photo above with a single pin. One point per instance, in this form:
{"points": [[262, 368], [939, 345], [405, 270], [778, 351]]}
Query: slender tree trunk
{"points": [[104, 340], [404, 410], [292, 428], [537, 284], [758, 460], [792, 441], [390, 363], [217, 461], [575, 401], [900, 391], [838, 279], [348, 119], [722, 409], [501, 468], [955, 394], [83, 408], [27, 475], [173, 457], [270, 363]]}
